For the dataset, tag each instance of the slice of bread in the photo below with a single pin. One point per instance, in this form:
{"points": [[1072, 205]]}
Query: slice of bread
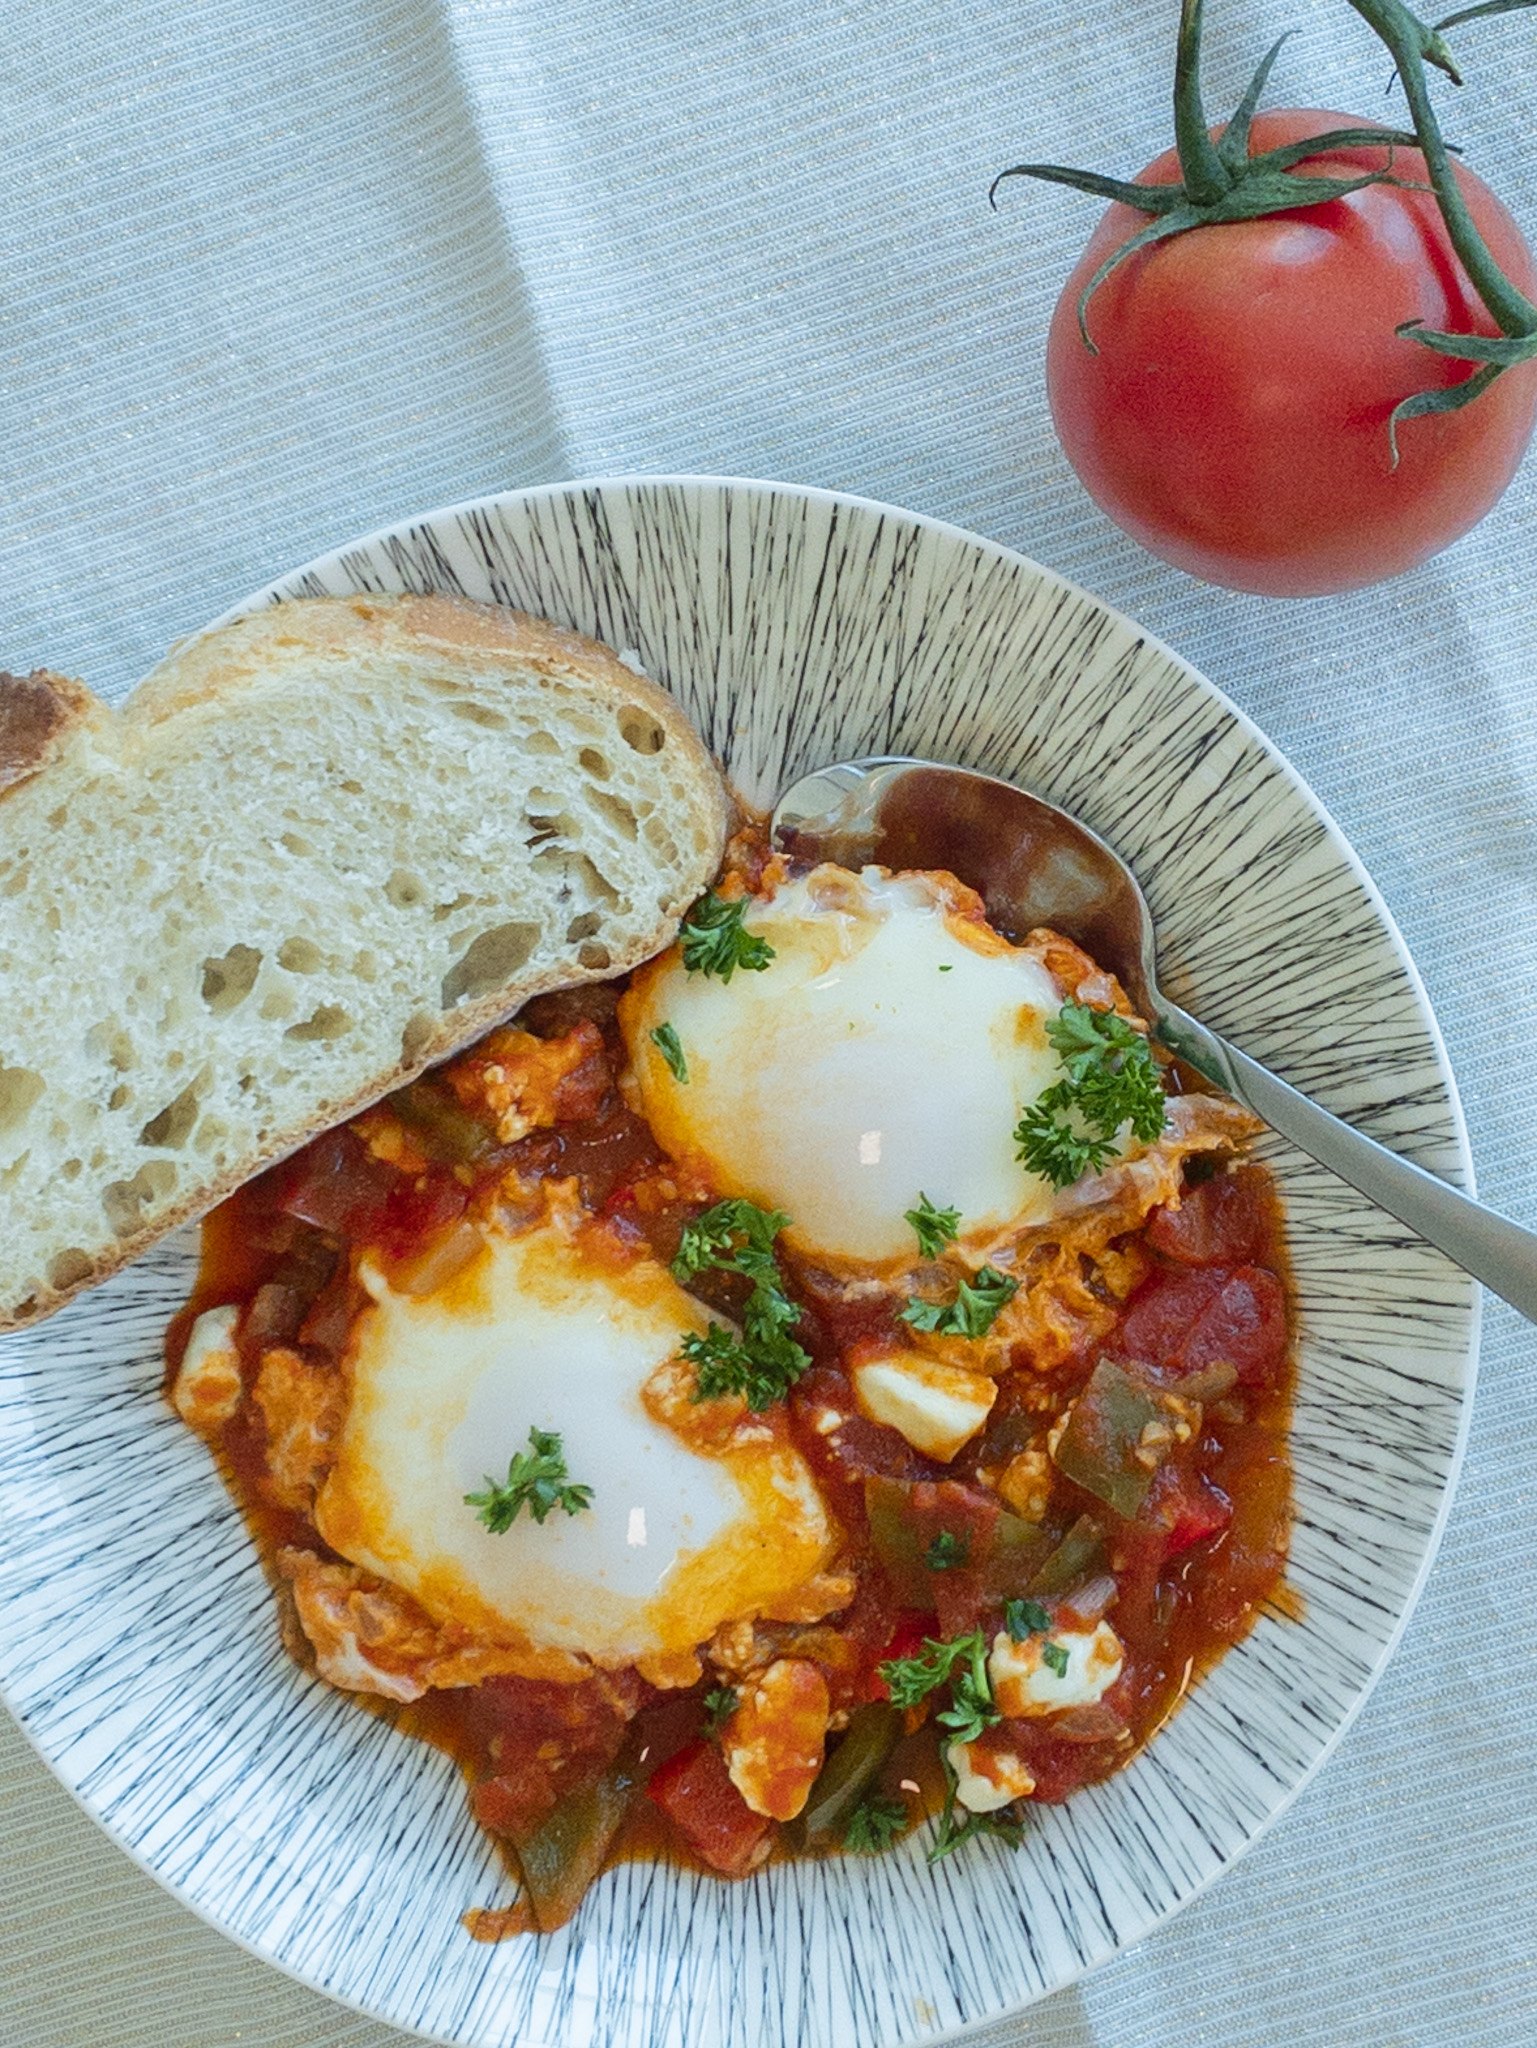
{"points": [[316, 850]]}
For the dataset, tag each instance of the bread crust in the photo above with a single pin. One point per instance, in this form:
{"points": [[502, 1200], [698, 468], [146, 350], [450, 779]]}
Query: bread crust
{"points": [[39, 712]]}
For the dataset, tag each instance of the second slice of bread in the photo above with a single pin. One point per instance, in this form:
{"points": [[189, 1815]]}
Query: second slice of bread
{"points": [[317, 850]]}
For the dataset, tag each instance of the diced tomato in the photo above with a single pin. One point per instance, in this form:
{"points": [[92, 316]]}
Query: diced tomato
{"points": [[1186, 1504], [1059, 1768], [1182, 1321], [1223, 1221], [414, 1210], [326, 1325], [1163, 1313], [1244, 1326], [579, 1094], [337, 1184], [515, 1721], [515, 1800], [843, 1458], [932, 1539], [1137, 1556], [695, 1791]]}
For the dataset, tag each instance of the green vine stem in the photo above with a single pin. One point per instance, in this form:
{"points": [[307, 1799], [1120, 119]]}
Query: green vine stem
{"points": [[1412, 45], [1200, 160], [1220, 181]]}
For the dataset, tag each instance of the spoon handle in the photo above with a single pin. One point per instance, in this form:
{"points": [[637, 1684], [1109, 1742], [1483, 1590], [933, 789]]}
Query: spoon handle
{"points": [[1490, 1247]]}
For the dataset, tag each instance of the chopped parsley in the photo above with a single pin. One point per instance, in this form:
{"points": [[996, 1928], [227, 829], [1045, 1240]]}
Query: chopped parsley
{"points": [[1024, 1618], [948, 1552], [716, 941], [719, 1706], [934, 1227], [961, 1664], [973, 1312], [874, 1825], [1054, 1657], [731, 1237], [1111, 1079], [537, 1480], [765, 1361], [665, 1039], [950, 1832]]}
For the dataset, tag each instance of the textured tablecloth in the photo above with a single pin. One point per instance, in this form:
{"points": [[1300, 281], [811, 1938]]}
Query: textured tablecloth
{"points": [[272, 274]]}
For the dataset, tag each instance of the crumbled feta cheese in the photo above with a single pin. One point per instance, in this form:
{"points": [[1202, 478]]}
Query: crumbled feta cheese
{"points": [[936, 1406], [1026, 1681], [773, 1742], [1054, 1434], [987, 1779], [1025, 1483], [207, 1386]]}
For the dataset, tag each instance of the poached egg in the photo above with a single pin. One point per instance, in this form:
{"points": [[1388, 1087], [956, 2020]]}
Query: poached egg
{"points": [[698, 1515], [889, 1048]]}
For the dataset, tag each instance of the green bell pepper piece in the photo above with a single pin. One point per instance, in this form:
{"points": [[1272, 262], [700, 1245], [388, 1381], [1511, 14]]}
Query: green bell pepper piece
{"points": [[849, 1773]]}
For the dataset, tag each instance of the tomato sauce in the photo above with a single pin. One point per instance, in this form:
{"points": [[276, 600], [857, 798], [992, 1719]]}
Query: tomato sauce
{"points": [[568, 1777]]}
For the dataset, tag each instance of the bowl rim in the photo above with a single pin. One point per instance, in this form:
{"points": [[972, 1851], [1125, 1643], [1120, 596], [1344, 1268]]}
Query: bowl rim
{"points": [[275, 591]]}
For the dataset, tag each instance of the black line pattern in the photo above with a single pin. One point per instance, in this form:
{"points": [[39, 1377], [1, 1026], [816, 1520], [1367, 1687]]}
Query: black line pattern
{"points": [[137, 1640]]}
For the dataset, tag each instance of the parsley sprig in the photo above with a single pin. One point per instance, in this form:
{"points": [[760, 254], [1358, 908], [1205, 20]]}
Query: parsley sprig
{"points": [[961, 1664], [934, 1227], [765, 1361], [667, 1042], [716, 941], [952, 1832], [976, 1307], [537, 1480], [874, 1825], [1111, 1079]]}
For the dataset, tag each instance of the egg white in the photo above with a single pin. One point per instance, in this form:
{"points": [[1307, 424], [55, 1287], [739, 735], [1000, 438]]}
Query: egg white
{"points": [[691, 1524], [889, 1048]]}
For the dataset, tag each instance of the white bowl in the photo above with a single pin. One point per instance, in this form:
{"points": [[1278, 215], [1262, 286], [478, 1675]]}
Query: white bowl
{"points": [[138, 1637]]}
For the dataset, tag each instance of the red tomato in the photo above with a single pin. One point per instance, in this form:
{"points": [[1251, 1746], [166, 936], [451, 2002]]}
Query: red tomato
{"points": [[695, 1791], [1181, 1321], [336, 1184], [1223, 1221], [1162, 1314], [1187, 1506], [1235, 419], [1242, 1326]]}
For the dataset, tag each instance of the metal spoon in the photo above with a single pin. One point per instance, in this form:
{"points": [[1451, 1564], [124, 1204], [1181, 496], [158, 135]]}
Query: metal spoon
{"points": [[1032, 864]]}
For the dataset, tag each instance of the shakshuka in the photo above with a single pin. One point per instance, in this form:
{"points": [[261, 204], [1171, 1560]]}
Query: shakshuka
{"points": [[827, 1385]]}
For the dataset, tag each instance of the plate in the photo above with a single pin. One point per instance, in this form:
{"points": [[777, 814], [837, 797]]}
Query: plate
{"points": [[138, 1637]]}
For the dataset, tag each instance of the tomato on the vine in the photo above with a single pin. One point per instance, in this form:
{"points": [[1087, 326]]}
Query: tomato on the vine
{"points": [[1235, 417]]}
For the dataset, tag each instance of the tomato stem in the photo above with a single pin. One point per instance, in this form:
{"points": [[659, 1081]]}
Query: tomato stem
{"points": [[1207, 178], [1412, 45]]}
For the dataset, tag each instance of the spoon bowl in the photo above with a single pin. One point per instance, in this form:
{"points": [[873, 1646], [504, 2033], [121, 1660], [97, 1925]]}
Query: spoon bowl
{"points": [[1030, 863]]}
